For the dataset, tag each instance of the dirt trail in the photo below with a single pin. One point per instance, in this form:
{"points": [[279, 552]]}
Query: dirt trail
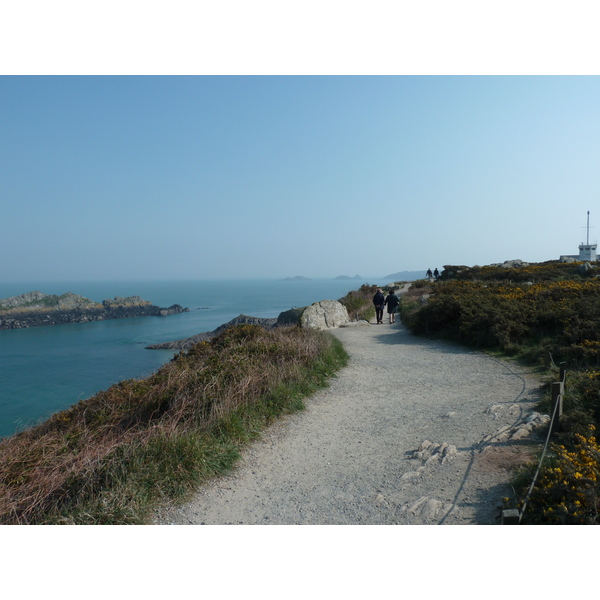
{"points": [[350, 457]]}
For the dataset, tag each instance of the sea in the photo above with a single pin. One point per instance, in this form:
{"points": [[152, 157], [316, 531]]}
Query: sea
{"points": [[46, 369]]}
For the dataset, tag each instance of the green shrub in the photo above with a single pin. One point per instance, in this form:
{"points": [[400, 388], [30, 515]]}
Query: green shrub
{"points": [[359, 303]]}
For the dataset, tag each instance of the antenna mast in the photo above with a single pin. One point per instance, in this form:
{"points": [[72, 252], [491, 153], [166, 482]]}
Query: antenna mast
{"points": [[588, 228]]}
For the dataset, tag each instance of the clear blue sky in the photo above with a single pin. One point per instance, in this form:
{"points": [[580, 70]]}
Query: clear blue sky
{"points": [[158, 177]]}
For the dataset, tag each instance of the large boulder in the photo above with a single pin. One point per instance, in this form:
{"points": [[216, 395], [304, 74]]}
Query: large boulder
{"points": [[327, 314]]}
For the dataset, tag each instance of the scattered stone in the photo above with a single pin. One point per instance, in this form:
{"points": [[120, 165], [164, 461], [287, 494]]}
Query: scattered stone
{"points": [[430, 452], [355, 323], [537, 419], [429, 508], [412, 474], [519, 431], [380, 500]]}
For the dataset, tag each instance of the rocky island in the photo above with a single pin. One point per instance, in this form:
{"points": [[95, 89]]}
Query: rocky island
{"points": [[35, 309]]}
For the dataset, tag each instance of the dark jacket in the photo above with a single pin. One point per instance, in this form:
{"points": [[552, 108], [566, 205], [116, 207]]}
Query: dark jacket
{"points": [[379, 299], [392, 301]]}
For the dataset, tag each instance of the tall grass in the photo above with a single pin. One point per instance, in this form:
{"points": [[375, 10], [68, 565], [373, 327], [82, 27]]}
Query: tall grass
{"points": [[116, 456]]}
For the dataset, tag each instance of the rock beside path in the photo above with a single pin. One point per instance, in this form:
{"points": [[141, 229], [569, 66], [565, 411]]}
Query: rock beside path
{"points": [[327, 314]]}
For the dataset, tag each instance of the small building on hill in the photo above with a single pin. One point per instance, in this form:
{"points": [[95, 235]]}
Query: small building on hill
{"points": [[587, 251]]}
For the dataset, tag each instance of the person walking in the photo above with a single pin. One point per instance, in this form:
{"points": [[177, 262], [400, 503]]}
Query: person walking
{"points": [[436, 274], [392, 301], [379, 302], [429, 274]]}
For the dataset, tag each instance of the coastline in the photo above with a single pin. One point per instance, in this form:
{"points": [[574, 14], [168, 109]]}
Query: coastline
{"points": [[47, 369]]}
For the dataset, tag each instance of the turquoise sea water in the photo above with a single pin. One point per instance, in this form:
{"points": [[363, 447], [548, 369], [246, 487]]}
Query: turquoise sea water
{"points": [[47, 369]]}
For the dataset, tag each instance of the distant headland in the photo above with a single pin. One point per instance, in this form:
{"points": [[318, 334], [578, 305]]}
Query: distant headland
{"points": [[35, 309]]}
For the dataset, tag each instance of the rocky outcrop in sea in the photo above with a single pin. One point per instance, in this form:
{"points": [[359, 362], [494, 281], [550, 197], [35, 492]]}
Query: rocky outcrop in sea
{"points": [[35, 309]]}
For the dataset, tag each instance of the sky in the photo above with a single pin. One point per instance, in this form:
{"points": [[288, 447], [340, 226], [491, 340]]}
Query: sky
{"points": [[286, 145], [200, 177]]}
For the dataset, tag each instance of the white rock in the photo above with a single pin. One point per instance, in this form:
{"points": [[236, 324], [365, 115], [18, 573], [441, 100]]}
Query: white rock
{"points": [[327, 314]]}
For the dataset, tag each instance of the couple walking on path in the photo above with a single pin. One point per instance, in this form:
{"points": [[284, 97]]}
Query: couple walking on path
{"points": [[380, 301]]}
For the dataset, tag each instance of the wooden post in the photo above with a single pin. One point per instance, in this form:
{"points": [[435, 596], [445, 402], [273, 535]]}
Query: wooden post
{"points": [[563, 371], [558, 388], [510, 517]]}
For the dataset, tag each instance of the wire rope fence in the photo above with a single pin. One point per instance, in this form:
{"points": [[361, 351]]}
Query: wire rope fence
{"points": [[514, 516]]}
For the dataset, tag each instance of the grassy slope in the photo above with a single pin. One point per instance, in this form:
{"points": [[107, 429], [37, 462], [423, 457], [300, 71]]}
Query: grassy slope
{"points": [[114, 457]]}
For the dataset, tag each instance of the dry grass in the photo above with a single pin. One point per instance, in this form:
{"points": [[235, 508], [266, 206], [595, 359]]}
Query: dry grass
{"points": [[109, 458]]}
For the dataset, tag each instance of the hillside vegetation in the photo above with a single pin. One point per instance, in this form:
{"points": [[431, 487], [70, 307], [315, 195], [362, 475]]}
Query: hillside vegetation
{"points": [[545, 314], [112, 458]]}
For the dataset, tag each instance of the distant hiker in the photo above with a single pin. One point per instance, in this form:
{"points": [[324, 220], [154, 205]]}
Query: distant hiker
{"points": [[436, 274], [379, 302], [392, 302], [429, 274]]}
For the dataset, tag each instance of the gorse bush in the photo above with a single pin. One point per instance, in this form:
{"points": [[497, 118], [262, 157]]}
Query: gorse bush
{"points": [[110, 458], [558, 318], [546, 271], [568, 489]]}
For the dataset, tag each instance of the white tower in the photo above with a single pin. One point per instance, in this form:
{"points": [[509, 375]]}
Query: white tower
{"points": [[587, 251]]}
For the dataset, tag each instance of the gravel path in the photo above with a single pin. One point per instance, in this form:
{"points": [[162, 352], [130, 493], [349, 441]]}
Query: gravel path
{"points": [[412, 431]]}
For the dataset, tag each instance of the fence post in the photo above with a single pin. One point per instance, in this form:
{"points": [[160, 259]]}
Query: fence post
{"points": [[510, 516], [558, 388], [563, 372]]}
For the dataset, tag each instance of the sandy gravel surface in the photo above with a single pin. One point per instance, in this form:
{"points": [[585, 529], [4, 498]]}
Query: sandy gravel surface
{"points": [[350, 457]]}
